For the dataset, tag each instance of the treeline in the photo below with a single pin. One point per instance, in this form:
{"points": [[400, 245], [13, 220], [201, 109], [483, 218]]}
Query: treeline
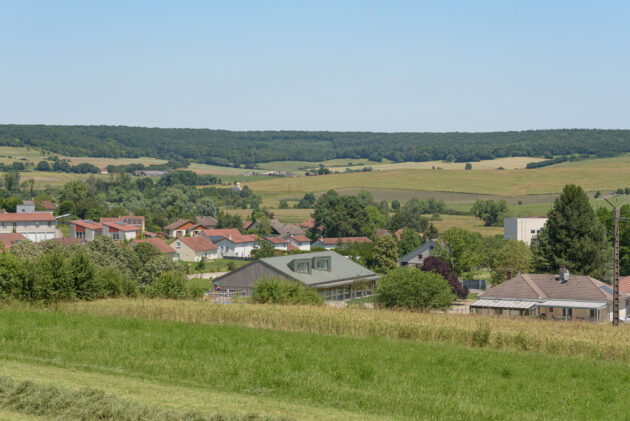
{"points": [[223, 147], [558, 160]]}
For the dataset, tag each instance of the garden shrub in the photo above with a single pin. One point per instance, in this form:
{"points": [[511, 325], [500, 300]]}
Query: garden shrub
{"points": [[282, 291]]}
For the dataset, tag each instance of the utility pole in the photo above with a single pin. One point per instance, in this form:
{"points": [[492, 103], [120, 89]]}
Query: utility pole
{"points": [[617, 209]]}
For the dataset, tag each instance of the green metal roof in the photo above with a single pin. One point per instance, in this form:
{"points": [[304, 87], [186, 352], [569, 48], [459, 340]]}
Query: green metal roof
{"points": [[340, 268]]}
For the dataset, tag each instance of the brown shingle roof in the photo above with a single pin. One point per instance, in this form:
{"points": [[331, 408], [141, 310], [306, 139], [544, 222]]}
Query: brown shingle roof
{"points": [[285, 229], [47, 205], [176, 224], [548, 287], [198, 243], [624, 284], [158, 243], [276, 240], [207, 221], [344, 240]]}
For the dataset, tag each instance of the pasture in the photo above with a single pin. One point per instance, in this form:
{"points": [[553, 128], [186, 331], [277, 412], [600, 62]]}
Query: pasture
{"points": [[235, 370]]}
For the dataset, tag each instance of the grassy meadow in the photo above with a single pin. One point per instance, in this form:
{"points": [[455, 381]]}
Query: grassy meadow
{"points": [[237, 370]]}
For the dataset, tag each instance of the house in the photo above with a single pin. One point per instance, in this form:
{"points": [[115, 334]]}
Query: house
{"points": [[278, 243], [120, 230], [10, 238], [331, 243], [334, 276], [550, 296], [137, 221], [278, 228], [231, 242], [47, 205], [35, 226], [85, 229], [159, 244], [178, 228], [206, 221], [523, 229], [26, 206], [301, 242], [416, 256], [247, 225], [194, 249]]}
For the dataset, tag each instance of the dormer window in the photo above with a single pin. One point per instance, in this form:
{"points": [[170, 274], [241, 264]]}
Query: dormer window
{"points": [[302, 267], [321, 263]]}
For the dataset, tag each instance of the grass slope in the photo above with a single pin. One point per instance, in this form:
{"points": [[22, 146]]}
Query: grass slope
{"points": [[377, 377]]}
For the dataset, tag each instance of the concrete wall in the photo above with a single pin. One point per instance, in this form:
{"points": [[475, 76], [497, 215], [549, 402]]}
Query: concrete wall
{"points": [[521, 228]]}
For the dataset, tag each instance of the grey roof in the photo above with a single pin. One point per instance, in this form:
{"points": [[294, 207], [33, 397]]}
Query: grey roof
{"points": [[429, 245], [341, 268], [548, 287], [516, 304], [286, 229]]}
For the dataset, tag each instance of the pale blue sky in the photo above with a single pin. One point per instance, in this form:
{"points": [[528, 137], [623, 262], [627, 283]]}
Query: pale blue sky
{"points": [[321, 65]]}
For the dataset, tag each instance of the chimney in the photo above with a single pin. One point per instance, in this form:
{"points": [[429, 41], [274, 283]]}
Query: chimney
{"points": [[230, 237], [563, 275]]}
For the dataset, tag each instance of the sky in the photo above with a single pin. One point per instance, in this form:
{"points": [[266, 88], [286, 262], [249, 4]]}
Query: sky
{"points": [[393, 66]]}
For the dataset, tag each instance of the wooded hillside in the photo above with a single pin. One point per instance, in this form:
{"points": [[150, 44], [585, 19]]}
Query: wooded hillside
{"points": [[223, 147]]}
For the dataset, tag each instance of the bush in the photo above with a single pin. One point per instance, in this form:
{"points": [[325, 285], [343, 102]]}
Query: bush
{"points": [[282, 291], [415, 290], [168, 285], [115, 284]]}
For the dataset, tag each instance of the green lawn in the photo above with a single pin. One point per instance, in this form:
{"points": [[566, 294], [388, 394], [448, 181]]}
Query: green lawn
{"points": [[303, 375]]}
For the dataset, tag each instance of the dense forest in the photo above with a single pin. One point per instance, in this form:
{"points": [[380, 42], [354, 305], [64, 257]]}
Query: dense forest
{"points": [[221, 147]]}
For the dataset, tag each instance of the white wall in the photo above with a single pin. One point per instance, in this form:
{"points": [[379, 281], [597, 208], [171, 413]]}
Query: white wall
{"points": [[230, 249], [521, 228]]}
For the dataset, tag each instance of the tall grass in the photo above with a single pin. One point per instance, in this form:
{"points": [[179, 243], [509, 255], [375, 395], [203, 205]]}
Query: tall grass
{"points": [[89, 404], [573, 338]]}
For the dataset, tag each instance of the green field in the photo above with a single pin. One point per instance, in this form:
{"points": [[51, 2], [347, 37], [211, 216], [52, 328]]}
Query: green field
{"points": [[237, 370]]}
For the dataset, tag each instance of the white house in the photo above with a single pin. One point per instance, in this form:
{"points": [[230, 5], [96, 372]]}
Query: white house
{"points": [[231, 242], [301, 242], [120, 230], [26, 206], [523, 229], [35, 226], [85, 229], [194, 249], [278, 243]]}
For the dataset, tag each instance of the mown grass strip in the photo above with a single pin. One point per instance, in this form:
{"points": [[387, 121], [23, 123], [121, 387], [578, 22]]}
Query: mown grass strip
{"points": [[48, 401], [576, 338], [395, 379]]}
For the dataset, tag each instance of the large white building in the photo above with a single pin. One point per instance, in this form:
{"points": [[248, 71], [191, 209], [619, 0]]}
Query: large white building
{"points": [[523, 229], [35, 226]]}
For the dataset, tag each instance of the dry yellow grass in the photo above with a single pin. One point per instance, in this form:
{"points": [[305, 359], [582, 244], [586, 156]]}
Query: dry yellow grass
{"points": [[592, 175], [572, 338]]}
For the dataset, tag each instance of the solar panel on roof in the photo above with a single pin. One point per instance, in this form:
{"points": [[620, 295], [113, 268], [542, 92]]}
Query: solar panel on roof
{"points": [[121, 223], [606, 288], [88, 221]]}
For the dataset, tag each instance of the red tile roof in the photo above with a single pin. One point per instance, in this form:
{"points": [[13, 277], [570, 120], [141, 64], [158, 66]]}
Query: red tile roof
{"points": [[301, 238], [11, 238], [86, 223], [129, 219], [334, 240], [47, 205], [276, 240], [158, 243], [307, 224], [198, 243], [121, 226], [26, 217], [231, 234], [247, 224], [624, 284], [150, 234]]}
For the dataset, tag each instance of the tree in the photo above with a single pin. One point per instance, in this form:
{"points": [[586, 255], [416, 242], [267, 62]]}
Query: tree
{"points": [[415, 290], [283, 204], [206, 207], [461, 250], [395, 204], [265, 249], [263, 225], [282, 291], [169, 284], [82, 273], [409, 240], [573, 237], [468, 166], [385, 253], [146, 251], [491, 212], [437, 265], [512, 258], [341, 216], [66, 207], [307, 202], [156, 266], [12, 181], [43, 166], [410, 216], [10, 204]]}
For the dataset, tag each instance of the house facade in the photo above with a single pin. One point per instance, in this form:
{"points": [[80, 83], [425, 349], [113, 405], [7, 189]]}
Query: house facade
{"points": [[416, 256], [552, 297], [278, 243], [301, 242], [332, 275], [85, 229], [178, 228], [231, 242], [34, 226], [523, 229], [120, 231], [194, 249], [26, 206]]}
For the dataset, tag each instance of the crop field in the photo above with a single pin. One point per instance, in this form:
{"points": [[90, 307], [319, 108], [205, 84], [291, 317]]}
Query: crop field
{"points": [[466, 222], [209, 368], [592, 175], [9, 154]]}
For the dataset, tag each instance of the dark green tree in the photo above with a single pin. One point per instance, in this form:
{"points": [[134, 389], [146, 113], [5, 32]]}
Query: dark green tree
{"points": [[385, 254], [265, 249], [341, 216], [415, 290], [409, 240], [491, 212], [573, 237]]}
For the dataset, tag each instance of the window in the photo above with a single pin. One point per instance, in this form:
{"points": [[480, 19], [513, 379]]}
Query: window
{"points": [[79, 234], [15, 224], [302, 267], [533, 231], [115, 236], [25, 223], [37, 224], [591, 314], [178, 245], [50, 223], [321, 263]]}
